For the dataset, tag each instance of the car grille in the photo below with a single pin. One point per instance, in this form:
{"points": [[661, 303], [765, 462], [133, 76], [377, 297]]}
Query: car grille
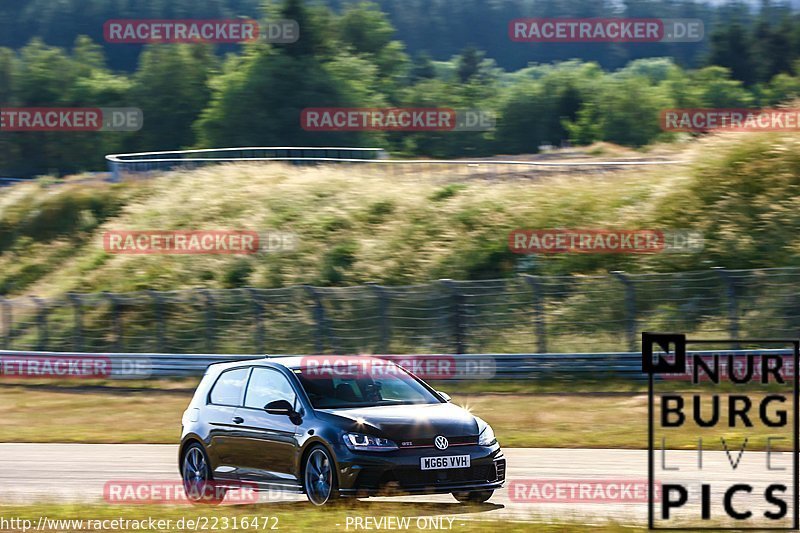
{"points": [[428, 443], [427, 478], [408, 478], [414, 478]]}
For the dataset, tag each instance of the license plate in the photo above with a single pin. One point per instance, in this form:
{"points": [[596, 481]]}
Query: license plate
{"points": [[442, 463]]}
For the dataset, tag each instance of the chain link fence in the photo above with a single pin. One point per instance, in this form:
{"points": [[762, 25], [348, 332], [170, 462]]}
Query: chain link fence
{"points": [[526, 314]]}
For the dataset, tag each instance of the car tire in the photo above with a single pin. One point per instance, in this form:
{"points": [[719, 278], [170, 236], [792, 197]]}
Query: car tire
{"points": [[320, 481], [476, 496], [198, 482]]}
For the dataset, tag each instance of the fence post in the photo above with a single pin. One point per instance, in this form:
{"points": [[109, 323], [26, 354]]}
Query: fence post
{"points": [[458, 322], [630, 308], [383, 309], [7, 325], [209, 315], [538, 311], [158, 308], [77, 333], [733, 305], [319, 319], [117, 319], [258, 318], [41, 323], [113, 166]]}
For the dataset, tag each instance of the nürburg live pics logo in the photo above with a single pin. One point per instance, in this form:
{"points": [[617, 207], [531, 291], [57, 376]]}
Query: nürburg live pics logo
{"points": [[722, 433]]}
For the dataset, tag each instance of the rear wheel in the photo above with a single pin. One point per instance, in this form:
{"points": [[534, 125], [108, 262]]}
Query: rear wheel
{"points": [[197, 481], [476, 496], [319, 478]]}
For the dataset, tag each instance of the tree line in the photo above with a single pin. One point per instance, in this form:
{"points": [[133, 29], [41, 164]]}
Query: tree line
{"points": [[350, 55], [739, 32]]}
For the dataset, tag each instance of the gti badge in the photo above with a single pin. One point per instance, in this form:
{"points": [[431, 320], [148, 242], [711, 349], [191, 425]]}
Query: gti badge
{"points": [[441, 442]]}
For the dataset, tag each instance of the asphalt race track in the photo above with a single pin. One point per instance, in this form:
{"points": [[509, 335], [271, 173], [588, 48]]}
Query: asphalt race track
{"points": [[79, 472]]}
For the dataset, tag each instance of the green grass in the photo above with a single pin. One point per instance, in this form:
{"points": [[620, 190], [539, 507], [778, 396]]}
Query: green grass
{"points": [[361, 224], [354, 226], [544, 419]]}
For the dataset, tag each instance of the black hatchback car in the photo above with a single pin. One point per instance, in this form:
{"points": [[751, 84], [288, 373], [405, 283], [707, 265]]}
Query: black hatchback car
{"points": [[303, 425]]}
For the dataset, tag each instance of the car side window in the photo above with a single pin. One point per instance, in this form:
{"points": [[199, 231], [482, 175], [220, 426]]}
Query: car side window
{"points": [[229, 387], [267, 386]]}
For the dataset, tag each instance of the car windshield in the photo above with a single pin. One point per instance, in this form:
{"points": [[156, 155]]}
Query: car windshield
{"points": [[340, 391]]}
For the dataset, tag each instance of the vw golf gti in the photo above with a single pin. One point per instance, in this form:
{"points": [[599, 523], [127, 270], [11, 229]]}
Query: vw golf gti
{"points": [[332, 427]]}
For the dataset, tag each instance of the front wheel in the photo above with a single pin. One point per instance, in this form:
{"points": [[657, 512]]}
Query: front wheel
{"points": [[197, 481], [476, 496], [319, 479]]}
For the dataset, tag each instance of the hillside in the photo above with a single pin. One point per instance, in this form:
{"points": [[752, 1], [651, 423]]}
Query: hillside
{"points": [[357, 225]]}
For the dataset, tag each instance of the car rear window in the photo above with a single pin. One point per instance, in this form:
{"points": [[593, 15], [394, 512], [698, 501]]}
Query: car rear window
{"points": [[229, 388]]}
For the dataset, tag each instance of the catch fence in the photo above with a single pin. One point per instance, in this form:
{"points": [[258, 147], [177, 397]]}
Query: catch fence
{"points": [[525, 314]]}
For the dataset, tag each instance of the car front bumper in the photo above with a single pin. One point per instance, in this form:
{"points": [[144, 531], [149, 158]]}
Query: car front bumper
{"points": [[399, 471]]}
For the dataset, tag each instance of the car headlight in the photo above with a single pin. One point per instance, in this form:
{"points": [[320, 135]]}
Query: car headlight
{"points": [[368, 443], [485, 434]]}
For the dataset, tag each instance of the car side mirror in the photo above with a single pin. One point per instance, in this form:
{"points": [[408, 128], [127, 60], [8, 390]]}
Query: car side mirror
{"points": [[279, 407], [444, 395]]}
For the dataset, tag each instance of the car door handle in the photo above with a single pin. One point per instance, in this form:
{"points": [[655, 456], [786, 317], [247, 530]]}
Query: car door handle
{"points": [[238, 420]]}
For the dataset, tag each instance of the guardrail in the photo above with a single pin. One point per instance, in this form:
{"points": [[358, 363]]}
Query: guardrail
{"points": [[162, 161], [5, 182], [510, 367]]}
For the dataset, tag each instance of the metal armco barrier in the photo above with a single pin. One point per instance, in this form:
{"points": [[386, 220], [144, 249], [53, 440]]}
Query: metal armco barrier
{"points": [[626, 365], [375, 158]]}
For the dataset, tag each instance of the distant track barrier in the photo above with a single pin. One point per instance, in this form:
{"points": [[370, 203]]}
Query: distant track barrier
{"points": [[121, 165], [511, 367]]}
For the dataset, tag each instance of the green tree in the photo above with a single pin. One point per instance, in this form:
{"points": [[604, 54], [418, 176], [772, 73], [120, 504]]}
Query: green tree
{"points": [[171, 88], [469, 63], [260, 96], [368, 33], [423, 68], [50, 77], [624, 110], [7, 66], [713, 87], [535, 109], [781, 89], [731, 48]]}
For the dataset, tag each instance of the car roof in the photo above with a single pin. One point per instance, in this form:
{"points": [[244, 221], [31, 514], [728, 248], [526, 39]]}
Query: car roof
{"points": [[292, 362]]}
